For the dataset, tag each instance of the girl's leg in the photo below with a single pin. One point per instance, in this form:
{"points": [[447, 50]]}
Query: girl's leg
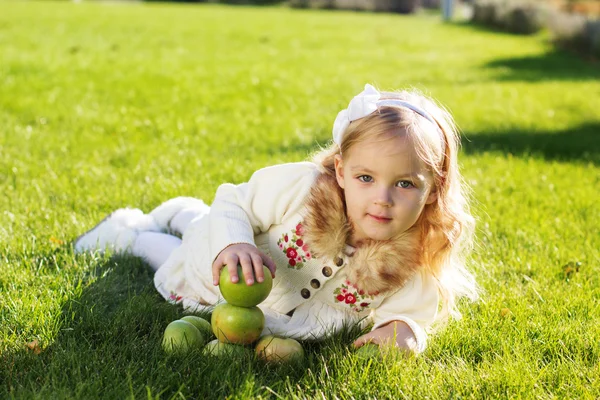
{"points": [[117, 231], [120, 229], [175, 215], [155, 247], [182, 219]]}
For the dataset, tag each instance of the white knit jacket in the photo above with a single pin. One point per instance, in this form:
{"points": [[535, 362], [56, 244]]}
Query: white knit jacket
{"points": [[312, 281]]}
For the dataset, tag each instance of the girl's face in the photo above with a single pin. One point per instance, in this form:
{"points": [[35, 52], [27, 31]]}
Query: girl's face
{"points": [[386, 186]]}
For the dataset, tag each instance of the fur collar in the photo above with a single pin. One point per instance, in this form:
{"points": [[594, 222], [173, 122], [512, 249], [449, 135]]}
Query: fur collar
{"points": [[376, 266]]}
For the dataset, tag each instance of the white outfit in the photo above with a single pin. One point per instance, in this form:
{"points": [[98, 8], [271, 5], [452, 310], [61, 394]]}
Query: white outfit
{"points": [[267, 211]]}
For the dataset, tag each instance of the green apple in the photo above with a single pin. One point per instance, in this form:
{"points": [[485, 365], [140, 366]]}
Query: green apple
{"points": [[181, 336], [368, 350], [275, 349], [219, 349], [200, 323], [241, 294], [240, 325]]}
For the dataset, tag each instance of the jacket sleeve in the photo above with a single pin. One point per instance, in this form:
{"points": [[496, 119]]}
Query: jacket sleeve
{"points": [[416, 304], [313, 320], [239, 212]]}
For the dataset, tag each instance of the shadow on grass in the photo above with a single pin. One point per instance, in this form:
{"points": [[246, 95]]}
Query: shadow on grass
{"points": [[467, 24], [554, 65], [109, 328], [578, 144], [108, 346]]}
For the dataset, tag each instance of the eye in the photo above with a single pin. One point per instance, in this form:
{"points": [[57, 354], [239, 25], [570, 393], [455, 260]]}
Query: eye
{"points": [[405, 184], [365, 178]]}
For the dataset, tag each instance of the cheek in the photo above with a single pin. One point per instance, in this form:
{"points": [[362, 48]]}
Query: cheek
{"points": [[354, 202], [412, 203], [350, 199]]}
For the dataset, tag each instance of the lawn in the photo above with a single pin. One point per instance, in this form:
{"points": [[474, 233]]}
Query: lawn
{"points": [[107, 105]]}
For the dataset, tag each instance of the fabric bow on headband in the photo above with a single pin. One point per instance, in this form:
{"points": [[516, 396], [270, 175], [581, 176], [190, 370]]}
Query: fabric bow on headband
{"points": [[365, 103]]}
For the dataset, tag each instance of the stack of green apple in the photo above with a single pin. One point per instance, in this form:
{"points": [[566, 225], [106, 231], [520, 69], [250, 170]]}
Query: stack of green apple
{"points": [[237, 323]]}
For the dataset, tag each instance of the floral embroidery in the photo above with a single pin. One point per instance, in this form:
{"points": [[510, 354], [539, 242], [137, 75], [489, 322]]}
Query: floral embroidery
{"points": [[294, 248], [355, 298], [174, 298]]}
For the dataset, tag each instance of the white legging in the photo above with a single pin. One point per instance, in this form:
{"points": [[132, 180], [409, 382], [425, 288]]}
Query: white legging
{"points": [[156, 247]]}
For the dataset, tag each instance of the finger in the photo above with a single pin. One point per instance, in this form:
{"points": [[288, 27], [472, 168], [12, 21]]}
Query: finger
{"points": [[216, 270], [364, 339], [258, 267], [270, 264], [246, 263], [232, 263]]}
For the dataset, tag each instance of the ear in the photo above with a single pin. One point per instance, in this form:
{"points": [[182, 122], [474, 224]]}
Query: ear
{"points": [[339, 170], [433, 195]]}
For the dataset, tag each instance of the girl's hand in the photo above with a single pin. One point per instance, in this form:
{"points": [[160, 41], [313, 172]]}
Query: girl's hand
{"points": [[396, 333], [249, 257]]}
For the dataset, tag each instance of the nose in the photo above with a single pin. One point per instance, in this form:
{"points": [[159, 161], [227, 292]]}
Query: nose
{"points": [[383, 197]]}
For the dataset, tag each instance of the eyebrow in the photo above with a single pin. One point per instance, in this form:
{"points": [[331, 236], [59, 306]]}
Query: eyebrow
{"points": [[360, 168]]}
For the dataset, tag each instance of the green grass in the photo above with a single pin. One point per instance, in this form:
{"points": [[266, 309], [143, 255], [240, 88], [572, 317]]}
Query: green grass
{"points": [[109, 105]]}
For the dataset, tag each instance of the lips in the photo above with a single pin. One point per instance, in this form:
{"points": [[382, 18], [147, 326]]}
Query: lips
{"points": [[380, 218]]}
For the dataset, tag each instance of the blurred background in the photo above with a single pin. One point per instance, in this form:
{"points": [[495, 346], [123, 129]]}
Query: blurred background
{"points": [[573, 24]]}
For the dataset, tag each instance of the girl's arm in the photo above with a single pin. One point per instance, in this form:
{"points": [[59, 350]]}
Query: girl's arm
{"points": [[402, 318], [239, 212], [394, 333]]}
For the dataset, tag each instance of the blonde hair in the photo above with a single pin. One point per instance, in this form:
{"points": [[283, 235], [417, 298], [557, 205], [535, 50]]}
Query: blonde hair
{"points": [[446, 226]]}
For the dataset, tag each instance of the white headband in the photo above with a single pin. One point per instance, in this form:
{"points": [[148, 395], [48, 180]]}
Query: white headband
{"points": [[365, 103]]}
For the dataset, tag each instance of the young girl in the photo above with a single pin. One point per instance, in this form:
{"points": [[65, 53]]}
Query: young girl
{"points": [[373, 230]]}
